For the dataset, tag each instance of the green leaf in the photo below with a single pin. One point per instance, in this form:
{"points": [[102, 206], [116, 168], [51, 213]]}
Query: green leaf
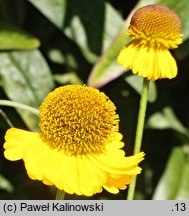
{"points": [[137, 82], [66, 78], [25, 78], [174, 181], [91, 26], [166, 120], [5, 184], [14, 38], [106, 68]]}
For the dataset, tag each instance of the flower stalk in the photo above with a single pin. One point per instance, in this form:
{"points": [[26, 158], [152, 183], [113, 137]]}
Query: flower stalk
{"points": [[60, 194], [139, 132], [19, 105]]}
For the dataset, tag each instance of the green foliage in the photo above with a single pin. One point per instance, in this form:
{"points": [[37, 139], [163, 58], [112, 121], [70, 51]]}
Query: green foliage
{"points": [[166, 120], [91, 26], [14, 38], [174, 181], [25, 78], [5, 184], [48, 43]]}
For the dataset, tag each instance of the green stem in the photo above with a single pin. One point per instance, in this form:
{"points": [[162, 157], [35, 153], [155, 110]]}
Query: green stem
{"points": [[6, 118], [139, 132], [60, 195], [19, 105]]}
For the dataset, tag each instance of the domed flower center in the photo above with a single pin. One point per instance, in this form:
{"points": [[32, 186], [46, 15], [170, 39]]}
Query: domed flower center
{"points": [[156, 24], [78, 120]]}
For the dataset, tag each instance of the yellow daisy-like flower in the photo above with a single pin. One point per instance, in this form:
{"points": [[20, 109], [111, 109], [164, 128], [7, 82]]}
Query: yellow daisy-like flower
{"points": [[154, 30], [78, 148]]}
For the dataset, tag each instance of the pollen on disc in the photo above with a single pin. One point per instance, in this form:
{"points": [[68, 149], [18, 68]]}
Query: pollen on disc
{"points": [[156, 19], [77, 119]]}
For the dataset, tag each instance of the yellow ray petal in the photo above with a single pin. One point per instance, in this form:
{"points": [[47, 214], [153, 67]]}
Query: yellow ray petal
{"points": [[16, 142], [80, 175], [91, 178], [123, 165], [148, 60], [114, 184]]}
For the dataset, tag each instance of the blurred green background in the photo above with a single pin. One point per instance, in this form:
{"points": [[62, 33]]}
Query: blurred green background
{"points": [[48, 43]]}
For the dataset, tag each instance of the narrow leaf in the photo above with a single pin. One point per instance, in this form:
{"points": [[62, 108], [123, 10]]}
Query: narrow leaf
{"points": [[174, 181], [14, 38], [166, 120]]}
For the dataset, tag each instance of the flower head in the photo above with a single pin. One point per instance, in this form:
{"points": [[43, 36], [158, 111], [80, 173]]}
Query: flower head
{"points": [[78, 148], [69, 120], [154, 30]]}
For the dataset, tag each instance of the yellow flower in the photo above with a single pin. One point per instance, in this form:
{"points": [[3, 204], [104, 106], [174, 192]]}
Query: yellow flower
{"points": [[78, 148], [154, 30]]}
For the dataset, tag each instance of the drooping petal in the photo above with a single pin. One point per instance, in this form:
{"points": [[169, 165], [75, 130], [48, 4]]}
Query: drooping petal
{"points": [[114, 184], [120, 166], [16, 141], [71, 174], [167, 64], [148, 61], [90, 178], [82, 175]]}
